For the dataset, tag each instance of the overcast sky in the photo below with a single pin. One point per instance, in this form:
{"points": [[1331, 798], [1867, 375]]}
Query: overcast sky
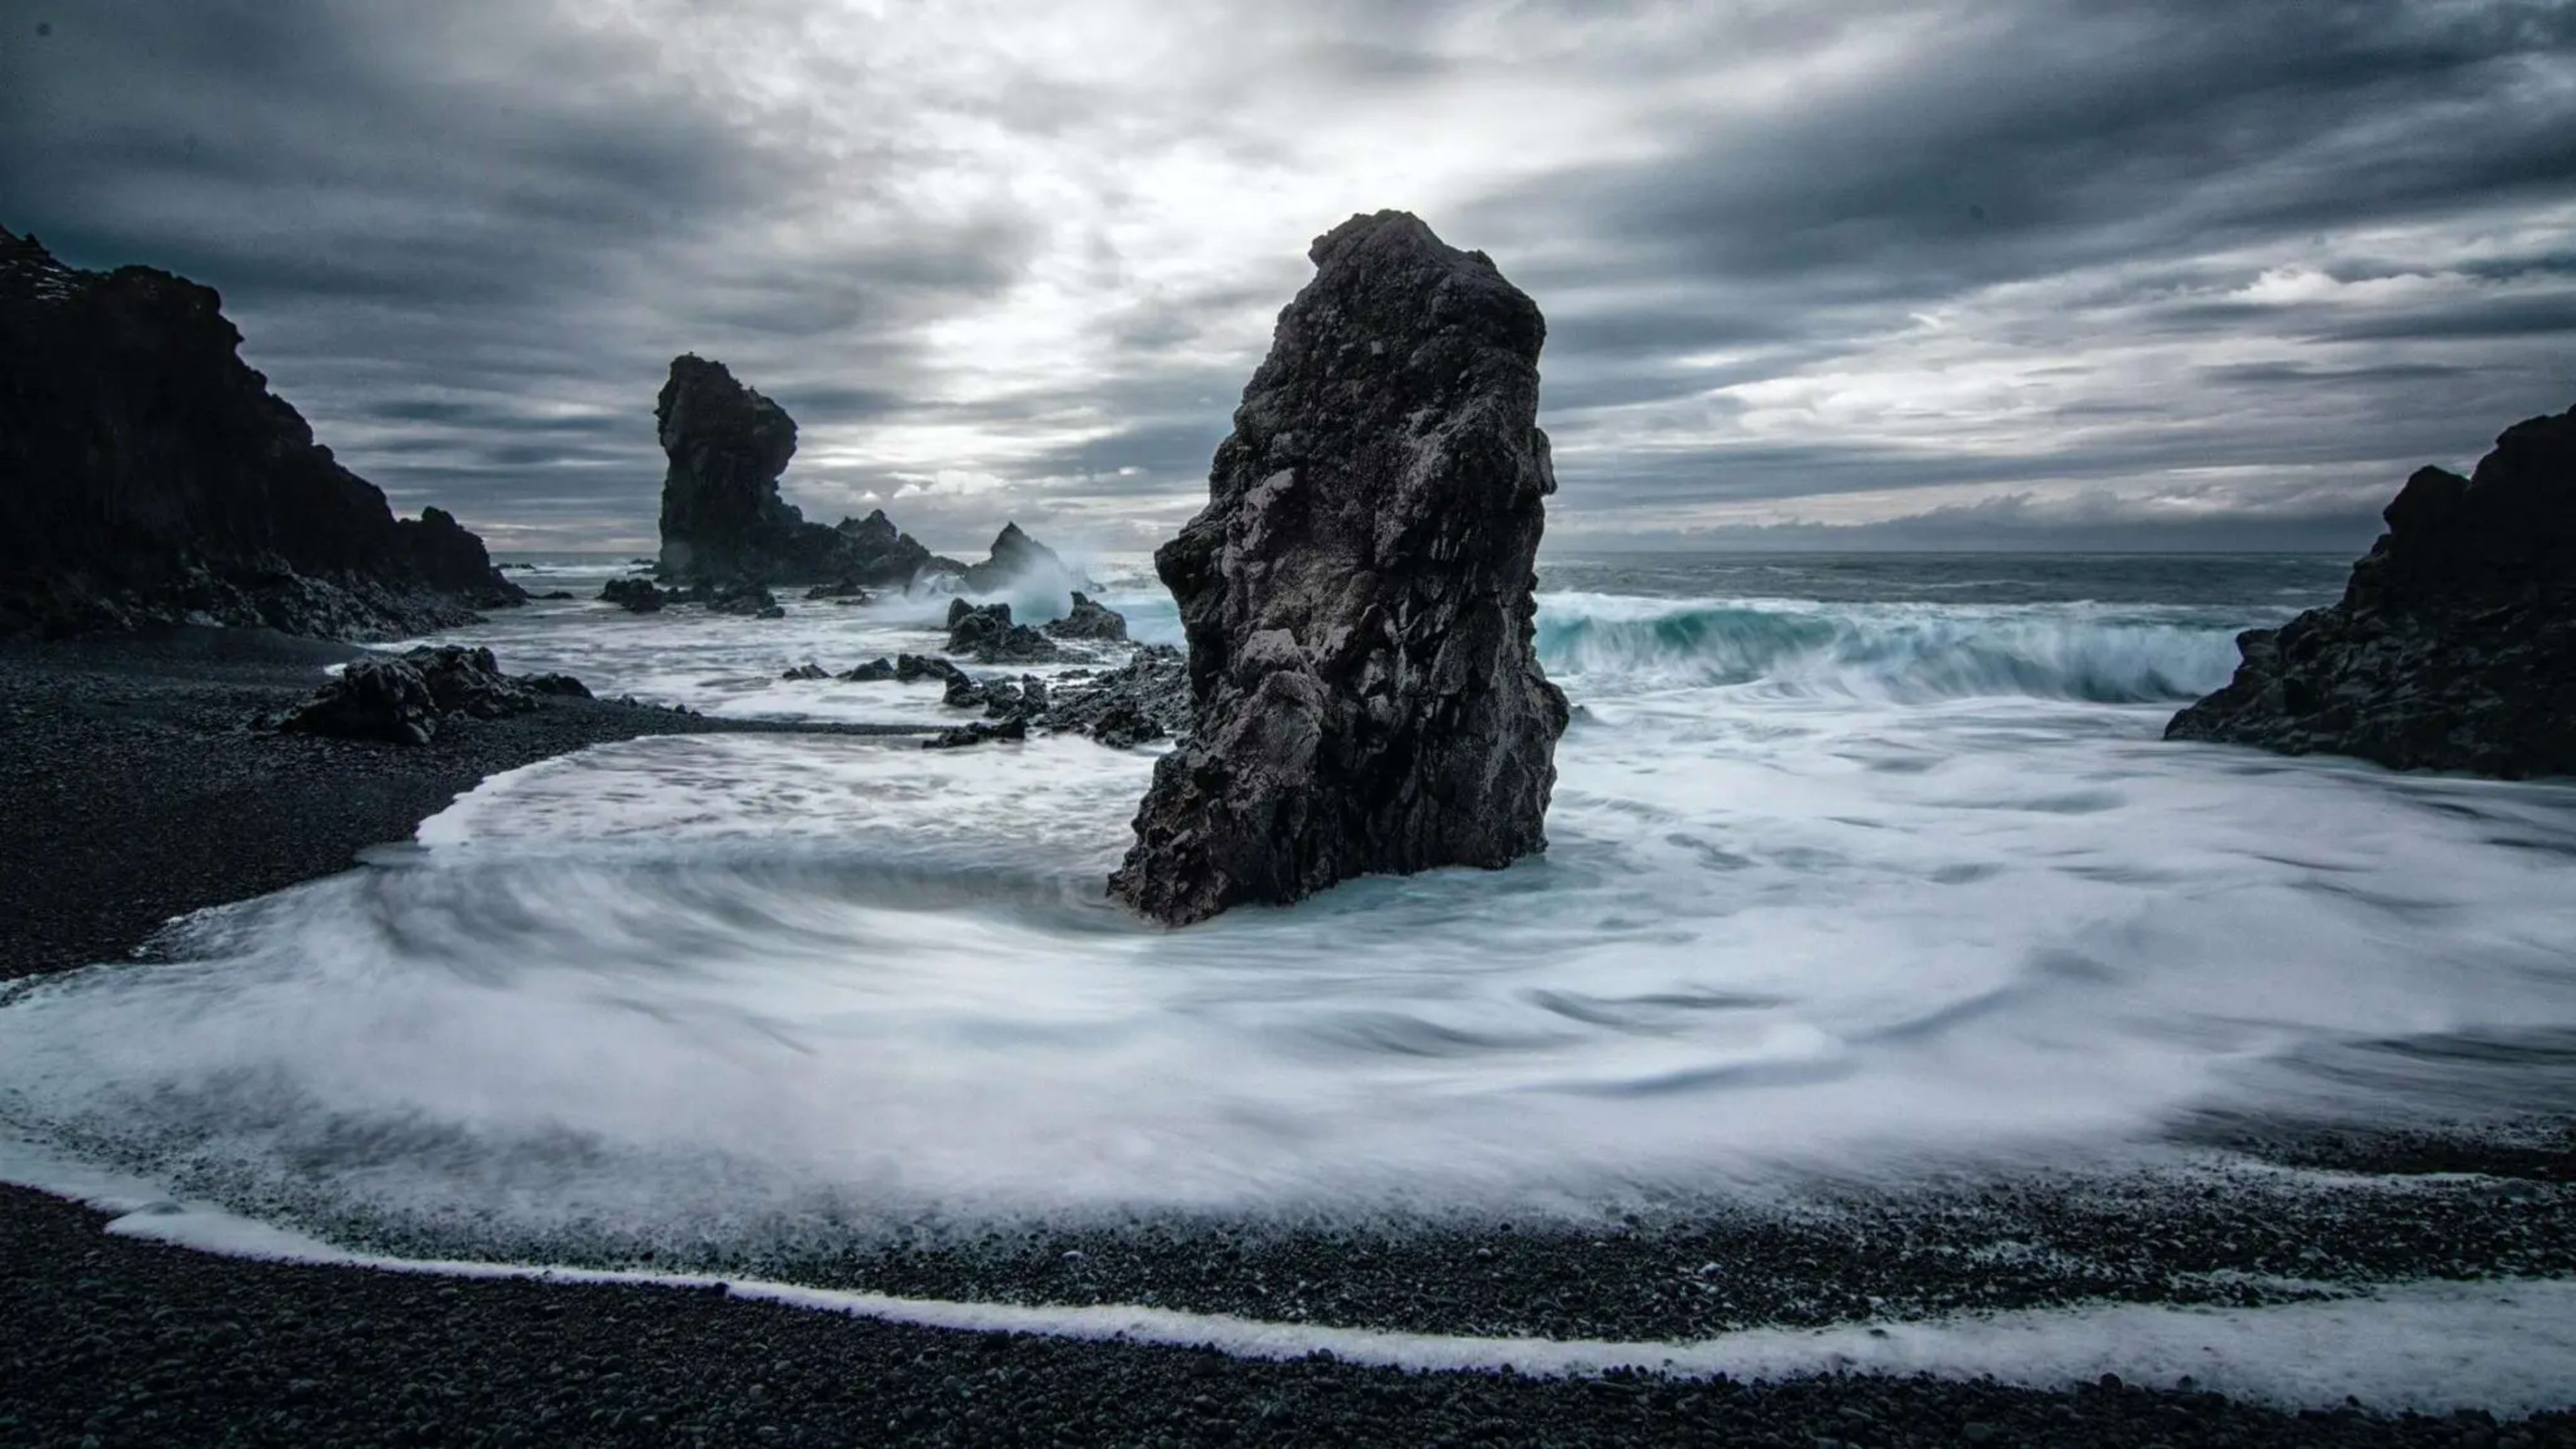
{"points": [[2188, 272]]}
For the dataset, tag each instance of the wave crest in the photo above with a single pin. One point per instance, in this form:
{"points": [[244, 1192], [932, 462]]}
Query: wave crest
{"points": [[1898, 652]]}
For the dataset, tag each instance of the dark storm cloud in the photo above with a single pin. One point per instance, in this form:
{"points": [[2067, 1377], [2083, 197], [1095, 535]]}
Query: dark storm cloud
{"points": [[1827, 251]]}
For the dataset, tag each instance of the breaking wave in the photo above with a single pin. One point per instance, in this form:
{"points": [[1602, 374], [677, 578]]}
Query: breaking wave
{"points": [[1900, 652]]}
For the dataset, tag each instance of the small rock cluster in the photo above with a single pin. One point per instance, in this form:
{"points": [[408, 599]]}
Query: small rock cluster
{"points": [[985, 633], [405, 700], [638, 595]]}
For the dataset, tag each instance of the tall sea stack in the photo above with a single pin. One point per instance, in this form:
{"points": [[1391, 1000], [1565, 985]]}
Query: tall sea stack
{"points": [[1357, 594], [2454, 646], [723, 520]]}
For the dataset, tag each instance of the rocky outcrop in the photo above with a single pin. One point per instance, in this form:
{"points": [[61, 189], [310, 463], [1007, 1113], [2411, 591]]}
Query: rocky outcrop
{"points": [[1357, 594], [2454, 645], [1091, 620], [985, 633], [407, 699], [1014, 556], [722, 516], [637, 596], [148, 475], [1147, 699]]}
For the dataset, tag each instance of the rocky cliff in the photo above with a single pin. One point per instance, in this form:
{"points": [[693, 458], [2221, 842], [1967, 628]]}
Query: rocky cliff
{"points": [[148, 475], [722, 517], [2454, 646], [1357, 594]]}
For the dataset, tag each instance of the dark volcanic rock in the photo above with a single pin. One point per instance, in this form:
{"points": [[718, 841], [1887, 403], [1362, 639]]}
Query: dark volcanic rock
{"points": [[147, 475], [978, 732], [405, 699], [1358, 594], [636, 596], [909, 667], [1090, 619], [874, 669], [722, 518], [985, 632], [1014, 556], [2454, 646], [1148, 699], [747, 599], [810, 670]]}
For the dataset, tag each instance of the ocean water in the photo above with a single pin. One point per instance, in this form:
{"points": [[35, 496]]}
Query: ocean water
{"points": [[1860, 868]]}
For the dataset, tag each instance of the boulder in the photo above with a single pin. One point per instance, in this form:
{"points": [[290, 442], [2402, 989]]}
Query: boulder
{"points": [[636, 596], [406, 699], [873, 670], [1090, 619], [909, 667], [1358, 594], [978, 732], [2454, 645], [985, 633], [807, 670], [148, 476]]}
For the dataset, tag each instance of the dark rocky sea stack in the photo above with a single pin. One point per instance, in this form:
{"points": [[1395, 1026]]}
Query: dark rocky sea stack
{"points": [[2454, 647], [148, 475], [722, 518], [1014, 555], [1358, 594]]}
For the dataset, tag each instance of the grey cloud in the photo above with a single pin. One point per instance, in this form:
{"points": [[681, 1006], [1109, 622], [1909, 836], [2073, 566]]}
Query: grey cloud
{"points": [[466, 240]]}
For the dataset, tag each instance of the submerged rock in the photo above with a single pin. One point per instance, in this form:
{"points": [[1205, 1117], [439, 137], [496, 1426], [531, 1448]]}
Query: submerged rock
{"points": [[1090, 619], [807, 670], [985, 632], [148, 476], [1358, 594], [636, 596], [2454, 645], [977, 732], [874, 669]]}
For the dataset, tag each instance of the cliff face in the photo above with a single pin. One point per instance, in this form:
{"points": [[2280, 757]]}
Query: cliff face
{"points": [[722, 517], [1358, 594], [2454, 645], [148, 475]]}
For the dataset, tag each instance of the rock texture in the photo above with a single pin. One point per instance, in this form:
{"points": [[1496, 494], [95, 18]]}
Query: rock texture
{"points": [[2454, 646], [985, 633], [722, 518], [148, 475], [1147, 699], [1357, 594], [404, 700]]}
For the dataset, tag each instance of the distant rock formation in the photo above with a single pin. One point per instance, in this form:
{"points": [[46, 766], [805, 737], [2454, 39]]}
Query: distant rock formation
{"points": [[1357, 594], [148, 475], [722, 518], [406, 699], [1014, 556], [2454, 646]]}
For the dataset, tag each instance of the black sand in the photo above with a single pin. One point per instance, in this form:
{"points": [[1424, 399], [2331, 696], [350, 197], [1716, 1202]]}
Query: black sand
{"points": [[131, 791]]}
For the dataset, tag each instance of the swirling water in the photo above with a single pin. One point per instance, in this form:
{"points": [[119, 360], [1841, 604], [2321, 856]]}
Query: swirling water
{"points": [[1857, 867]]}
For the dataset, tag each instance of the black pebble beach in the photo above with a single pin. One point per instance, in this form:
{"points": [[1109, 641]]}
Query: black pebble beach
{"points": [[133, 788]]}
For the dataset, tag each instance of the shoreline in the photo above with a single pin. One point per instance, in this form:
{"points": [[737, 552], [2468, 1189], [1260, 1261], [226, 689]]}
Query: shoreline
{"points": [[135, 791]]}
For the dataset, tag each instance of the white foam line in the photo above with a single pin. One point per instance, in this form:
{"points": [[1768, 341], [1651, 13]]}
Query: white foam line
{"points": [[2431, 1346]]}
